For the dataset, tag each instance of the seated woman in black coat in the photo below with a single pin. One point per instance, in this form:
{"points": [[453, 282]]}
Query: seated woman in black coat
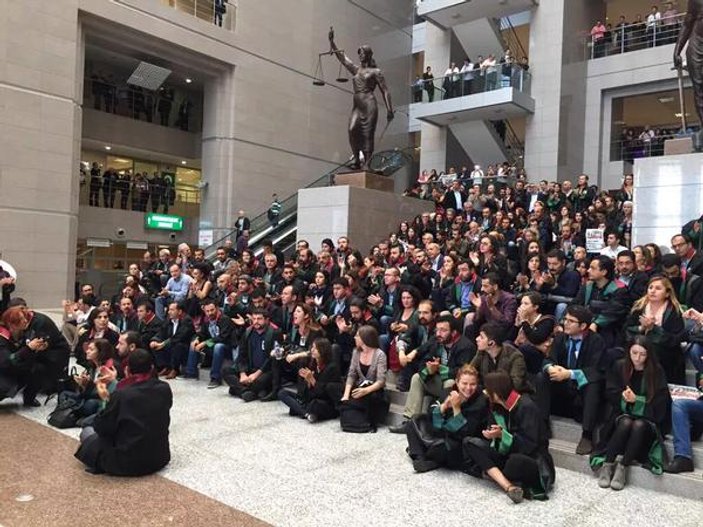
{"points": [[514, 451], [533, 331], [100, 360], [318, 387], [97, 327], [434, 439], [637, 390], [657, 316]]}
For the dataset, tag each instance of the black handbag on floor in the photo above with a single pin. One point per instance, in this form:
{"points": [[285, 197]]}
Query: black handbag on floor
{"points": [[65, 415]]}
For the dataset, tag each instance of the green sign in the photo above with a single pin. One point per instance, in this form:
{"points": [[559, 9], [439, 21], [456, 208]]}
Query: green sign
{"points": [[164, 222]]}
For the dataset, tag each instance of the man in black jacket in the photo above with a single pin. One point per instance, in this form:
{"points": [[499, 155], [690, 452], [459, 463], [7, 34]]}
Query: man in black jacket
{"points": [[171, 345], [442, 356], [149, 324], [250, 376], [571, 383], [52, 363], [129, 437], [215, 338], [126, 319], [454, 198]]}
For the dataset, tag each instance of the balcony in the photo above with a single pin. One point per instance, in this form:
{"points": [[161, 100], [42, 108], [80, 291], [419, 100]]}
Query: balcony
{"points": [[449, 13], [218, 12], [488, 96], [627, 38]]}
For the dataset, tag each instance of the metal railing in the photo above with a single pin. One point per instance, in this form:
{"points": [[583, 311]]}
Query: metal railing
{"points": [[514, 147], [218, 12], [261, 226], [633, 37], [639, 147], [183, 200], [472, 82], [166, 107]]}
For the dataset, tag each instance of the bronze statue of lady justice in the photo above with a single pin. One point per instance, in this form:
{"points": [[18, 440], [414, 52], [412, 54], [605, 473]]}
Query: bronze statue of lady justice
{"points": [[362, 122], [692, 33]]}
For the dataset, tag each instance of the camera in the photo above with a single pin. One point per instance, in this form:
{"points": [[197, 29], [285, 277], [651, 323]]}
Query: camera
{"points": [[120, 232]]}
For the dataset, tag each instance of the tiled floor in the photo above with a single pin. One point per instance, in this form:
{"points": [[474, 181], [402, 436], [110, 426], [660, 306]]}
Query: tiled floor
{"points": [[256, 459]]}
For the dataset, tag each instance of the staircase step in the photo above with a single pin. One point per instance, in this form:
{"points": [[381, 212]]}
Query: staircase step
{"points": [[687, 485]]}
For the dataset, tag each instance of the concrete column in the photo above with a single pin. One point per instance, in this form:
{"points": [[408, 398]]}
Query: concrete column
{"points": [[433, 139], [40, 130], [218, 151], [554, 133]]}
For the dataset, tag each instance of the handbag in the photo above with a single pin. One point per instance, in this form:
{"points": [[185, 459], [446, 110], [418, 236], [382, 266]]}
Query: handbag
{"points": [[65, 415]]}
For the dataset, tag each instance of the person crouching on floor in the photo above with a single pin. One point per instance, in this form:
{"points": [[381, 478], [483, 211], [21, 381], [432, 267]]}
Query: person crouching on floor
{"points": [[129, 436]]}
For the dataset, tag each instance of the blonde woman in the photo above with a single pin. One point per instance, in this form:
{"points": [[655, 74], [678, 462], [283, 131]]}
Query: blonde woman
{"points": [[657, 317]]}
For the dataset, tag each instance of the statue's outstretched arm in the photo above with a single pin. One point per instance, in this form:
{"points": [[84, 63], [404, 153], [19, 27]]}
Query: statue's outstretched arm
{"points": [[341, 56]]}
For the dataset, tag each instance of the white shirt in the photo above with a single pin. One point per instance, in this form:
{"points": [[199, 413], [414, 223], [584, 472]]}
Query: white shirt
{"points": [[467, 70], [612, 253], [653, 19]]}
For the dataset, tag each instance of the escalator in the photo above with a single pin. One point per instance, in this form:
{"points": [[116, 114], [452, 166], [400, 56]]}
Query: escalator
{"points": [[284, 234]]}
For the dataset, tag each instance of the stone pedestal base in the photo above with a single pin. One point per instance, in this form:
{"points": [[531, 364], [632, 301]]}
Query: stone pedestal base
{"points": [[364, 179], [683, 145]]}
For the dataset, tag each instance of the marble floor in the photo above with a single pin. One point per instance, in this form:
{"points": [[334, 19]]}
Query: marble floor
{"points": [[285, 471]]}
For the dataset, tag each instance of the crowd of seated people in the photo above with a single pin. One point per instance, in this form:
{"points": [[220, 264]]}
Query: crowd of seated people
{"points": [[495, 290]]}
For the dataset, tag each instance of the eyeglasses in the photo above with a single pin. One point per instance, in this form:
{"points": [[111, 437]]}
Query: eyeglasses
{"points": [[677, 245], [571, 320]]}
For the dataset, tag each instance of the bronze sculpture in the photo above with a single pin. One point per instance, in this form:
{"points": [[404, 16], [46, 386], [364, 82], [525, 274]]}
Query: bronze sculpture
{"points": [[692, 33], [362, 122]]}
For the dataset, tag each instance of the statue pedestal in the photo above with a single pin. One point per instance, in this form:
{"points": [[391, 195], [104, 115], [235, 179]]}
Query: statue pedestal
{"points": [[363, 179], [683, 145]]}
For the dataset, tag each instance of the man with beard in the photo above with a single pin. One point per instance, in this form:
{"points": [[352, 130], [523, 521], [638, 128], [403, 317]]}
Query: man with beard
{"points": [[442, 356]]}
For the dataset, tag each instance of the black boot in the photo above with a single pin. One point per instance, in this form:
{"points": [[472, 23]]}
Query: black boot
{"points": [[679, 464]]}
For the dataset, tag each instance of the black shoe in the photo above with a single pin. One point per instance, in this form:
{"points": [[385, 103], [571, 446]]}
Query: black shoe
{"points": [[33, 403], [679, 464], [248, 396], [399, 428], [271, 396], [94, 470], [263, 394], [424, 465], [584, 447]]}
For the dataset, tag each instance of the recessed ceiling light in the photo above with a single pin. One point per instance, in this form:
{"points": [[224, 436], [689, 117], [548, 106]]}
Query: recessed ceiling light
{"points": [[183, 162], [188, 80], [108, 147], [665, 100]]}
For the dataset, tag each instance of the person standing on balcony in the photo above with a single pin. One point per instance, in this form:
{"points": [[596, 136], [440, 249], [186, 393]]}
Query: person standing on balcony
{"points": [[95, 186], [418, 86], [598, 39], [669, 24], [109, 182], [220, 10], [622, 35], [274, 211], [451, 78], [157, 191], [429, 83], [490, 72], [653, 31], [467, 74]]}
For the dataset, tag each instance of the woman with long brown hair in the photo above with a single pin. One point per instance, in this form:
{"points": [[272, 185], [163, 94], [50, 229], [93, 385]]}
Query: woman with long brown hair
{"points": [[639, 396], [658, 318]]}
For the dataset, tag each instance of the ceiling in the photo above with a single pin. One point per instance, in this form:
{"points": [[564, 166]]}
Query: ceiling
{"points": [[448, 13], [654, 109], [122, 65]]}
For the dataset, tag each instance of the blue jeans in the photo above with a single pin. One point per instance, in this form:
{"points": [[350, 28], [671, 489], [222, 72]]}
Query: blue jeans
{"points": [[683, 411], [295, 407], [695, 355], [160, 305], [220, 352]]}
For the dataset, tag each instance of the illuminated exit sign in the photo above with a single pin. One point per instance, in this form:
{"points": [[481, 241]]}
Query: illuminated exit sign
{"points": [[164, 222]]}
